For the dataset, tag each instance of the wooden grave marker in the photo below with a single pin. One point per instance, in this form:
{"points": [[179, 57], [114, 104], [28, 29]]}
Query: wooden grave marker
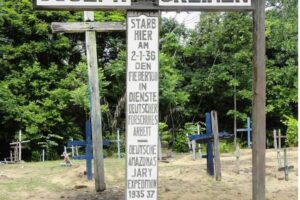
{"points": [[215, 131], [142, 90], [90, 28], [257, 7], [16, 155]]}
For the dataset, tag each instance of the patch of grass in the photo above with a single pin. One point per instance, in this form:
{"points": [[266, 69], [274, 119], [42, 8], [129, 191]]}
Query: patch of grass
{"points": [[28, 183], [4, 195]]}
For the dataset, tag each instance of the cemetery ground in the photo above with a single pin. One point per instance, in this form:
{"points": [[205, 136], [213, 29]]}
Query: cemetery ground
{"points": [[181, 178]]}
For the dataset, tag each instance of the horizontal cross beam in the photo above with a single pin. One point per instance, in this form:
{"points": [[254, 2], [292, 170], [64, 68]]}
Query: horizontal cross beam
{"points": [[81, 27], [207, 137], [243, 129], [14, 143]]}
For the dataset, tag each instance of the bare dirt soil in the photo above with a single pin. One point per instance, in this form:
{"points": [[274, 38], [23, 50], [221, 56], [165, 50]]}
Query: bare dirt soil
{"points": [[181, 178]]}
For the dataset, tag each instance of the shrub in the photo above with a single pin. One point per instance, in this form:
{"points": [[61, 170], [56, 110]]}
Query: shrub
{"points": [[292, 131], [180, 144]]}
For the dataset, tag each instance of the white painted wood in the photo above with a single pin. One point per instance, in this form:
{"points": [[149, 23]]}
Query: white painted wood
{"points": [[203, 3], [275, 139], [194, 149], [81, 3], [142, 128]]}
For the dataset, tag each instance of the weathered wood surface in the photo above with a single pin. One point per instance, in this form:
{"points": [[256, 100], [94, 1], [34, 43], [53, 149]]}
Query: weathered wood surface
{"points": [[279, 139], [215, 131], [96, 120], [275, 139], [199, 145], [237, 155], [259, 103], [81, 27], [286, 166], [194, 149], [189, 142], [16, 143]]}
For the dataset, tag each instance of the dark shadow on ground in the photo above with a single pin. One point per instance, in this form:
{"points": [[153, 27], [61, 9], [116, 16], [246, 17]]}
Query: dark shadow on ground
{"points": [[108, 194]]}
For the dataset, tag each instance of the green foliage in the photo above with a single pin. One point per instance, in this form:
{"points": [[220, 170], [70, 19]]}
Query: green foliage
{"points": [[227, 147], [35, 156], [44, 85], [113, 145], [164, 134], [43, 76], [180, 144], [292, 131]]}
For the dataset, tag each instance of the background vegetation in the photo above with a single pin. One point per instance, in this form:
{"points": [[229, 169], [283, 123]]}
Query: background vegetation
{"points": [[43, 76]]}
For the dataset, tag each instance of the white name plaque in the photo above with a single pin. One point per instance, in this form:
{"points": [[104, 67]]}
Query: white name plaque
{"points": [[142, 105]]}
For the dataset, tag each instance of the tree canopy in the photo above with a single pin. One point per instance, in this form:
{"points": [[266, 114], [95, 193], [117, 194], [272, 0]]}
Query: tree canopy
{"points": [[43, 76]]}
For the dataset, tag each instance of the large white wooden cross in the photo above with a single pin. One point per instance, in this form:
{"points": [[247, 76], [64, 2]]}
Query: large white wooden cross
{"points": [[90, 28]]}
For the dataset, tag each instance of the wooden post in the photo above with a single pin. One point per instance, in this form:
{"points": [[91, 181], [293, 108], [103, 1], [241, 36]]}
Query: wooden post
{"points": [[279, 139], [20, 145], [259, 102], [189, 142], [199, 145], [209, 146], [139, 45], [11, 156], [118, 143], [16, 153], [72, 148], [194, 149], [248, 132], [43, 155], [286, 166], [91, 52], [88, 150], [215, 130], [275, 139], [234, 102], [237, 154]]}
